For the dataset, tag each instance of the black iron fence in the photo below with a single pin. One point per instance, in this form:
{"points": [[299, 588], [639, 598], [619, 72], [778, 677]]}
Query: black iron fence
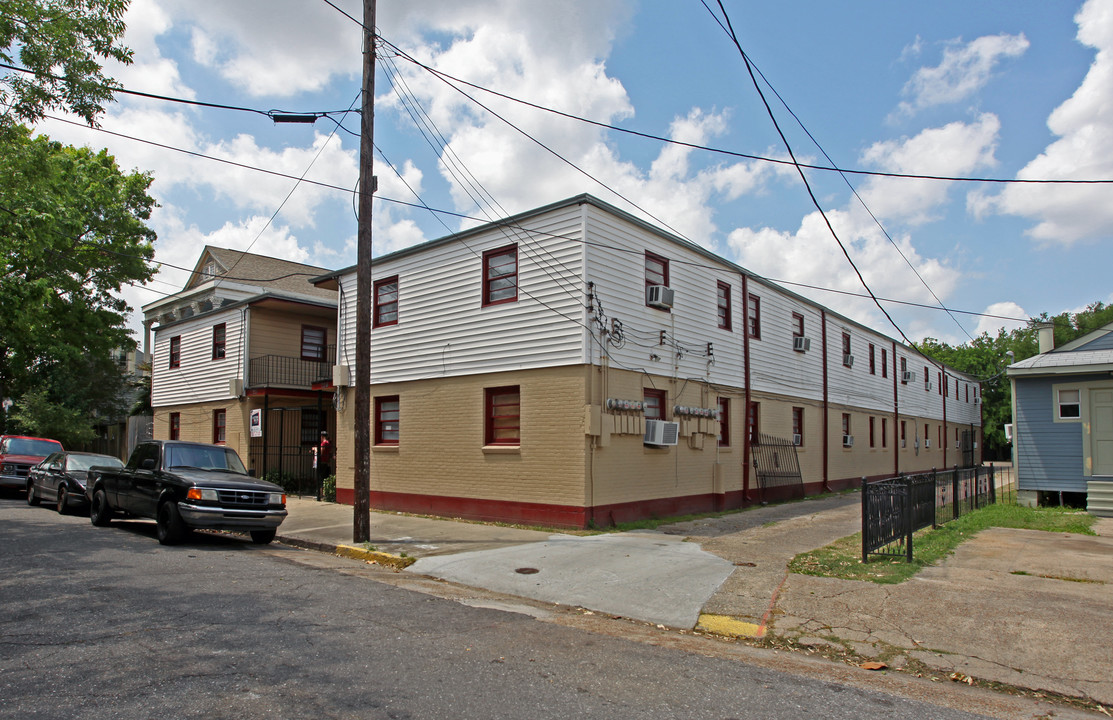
{"points": [[894, 509], [777, 468], [287, 371]]}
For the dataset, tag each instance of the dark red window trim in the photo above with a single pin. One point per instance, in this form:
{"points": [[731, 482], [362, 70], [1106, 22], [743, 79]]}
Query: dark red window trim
{"points": [[724, 422], [310, 350], [722, 299], [384, 423], [659, 398], [220, 426], [488, 279], [220, 348], [176, 351], [798, 424], [873, 359], [385, 308], [503, 415], [664, 270], [797, 325], [175, 426], [753, 316], [753, 423]]}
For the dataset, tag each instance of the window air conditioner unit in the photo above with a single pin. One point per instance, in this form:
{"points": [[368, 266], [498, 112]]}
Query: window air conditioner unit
{"points": [[848, 360], [660, 432], [659, 296], [927, 443], [341, 376], [1009, 432], [904, 443], [927, 385], [848, 441], [796, 439], [801, 344], [906, 377], [976, 400]]}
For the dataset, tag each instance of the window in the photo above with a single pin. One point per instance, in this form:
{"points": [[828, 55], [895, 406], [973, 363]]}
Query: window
{"points": [[873, 361], [798, 425], [884, 432], [927, 379], [939, 379], [846, 423], [753, 423], [967, 392], [847, 359], [386, 302], [175, 426], [218, 341], [218, 426], [724, 422], [656, 270], [1070, 403], [927, 443], [724, 306], [797, 325], [939, 431], [312, 423], [903, 366], [313, 343], [884, 363], [503, 414], [386, 420], [654, 404], [176, 351], [903, 434], [871, 430], [500, 275], [753, 316]]}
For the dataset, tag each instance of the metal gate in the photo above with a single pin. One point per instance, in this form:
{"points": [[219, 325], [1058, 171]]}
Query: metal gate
{"points": [[968, 447], [777, 467], [284, 454]]}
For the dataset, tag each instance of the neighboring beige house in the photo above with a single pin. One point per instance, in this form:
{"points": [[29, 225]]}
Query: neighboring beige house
{"points": [[246, 335], [575, 365]]}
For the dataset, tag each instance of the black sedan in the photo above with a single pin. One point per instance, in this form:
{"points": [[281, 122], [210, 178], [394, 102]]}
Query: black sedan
{"points": [[60, 478]]}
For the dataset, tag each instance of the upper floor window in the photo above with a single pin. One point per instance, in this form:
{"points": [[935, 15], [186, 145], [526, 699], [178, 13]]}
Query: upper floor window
{"points": [[847, 358], [654, 401], [873, 361], [218, 341], [797, 325], [500, 275], [386, 302], [753, 316], [656, 270], [723, 292], [386, 420], [503, 416], [884, 363], [176, 351], [1070, 403], [313, 343]]}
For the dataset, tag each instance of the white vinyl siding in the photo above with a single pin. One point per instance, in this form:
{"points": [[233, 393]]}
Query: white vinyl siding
{"points": [[200, 378]]}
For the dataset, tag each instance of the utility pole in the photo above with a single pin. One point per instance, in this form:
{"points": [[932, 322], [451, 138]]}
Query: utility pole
{"points": [[361, 525]]}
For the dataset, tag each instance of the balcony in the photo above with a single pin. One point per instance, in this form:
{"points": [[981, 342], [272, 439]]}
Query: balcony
{"points": [[282, 371]]}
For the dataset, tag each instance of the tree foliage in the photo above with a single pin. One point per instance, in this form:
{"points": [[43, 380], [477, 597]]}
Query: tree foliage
{"points": [[62, 44], [985, 358], [72, 233]]}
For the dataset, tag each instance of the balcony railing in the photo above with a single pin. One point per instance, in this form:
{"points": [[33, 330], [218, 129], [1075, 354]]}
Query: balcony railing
{"points": [[289, 372]]}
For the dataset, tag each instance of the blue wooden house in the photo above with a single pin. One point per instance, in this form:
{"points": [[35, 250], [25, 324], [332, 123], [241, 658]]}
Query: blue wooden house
{"points": [[1063, 421]]}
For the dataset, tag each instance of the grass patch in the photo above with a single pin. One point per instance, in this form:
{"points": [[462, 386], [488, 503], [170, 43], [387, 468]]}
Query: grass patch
{"points": [[843, 558]]}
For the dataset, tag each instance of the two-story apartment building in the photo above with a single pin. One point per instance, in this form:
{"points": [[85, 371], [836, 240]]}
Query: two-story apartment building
{"points": [[574, 364], [242, 356]]}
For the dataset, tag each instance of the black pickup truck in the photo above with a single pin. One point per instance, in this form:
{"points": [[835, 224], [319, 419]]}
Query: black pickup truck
{"points": [[186, 486]]}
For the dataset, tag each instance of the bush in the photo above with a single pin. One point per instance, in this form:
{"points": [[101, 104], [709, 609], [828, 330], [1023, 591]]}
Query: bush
{"points": [[328, 489]]}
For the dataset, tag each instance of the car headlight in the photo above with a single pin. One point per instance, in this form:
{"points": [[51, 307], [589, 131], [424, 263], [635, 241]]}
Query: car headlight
{"points": [[276, 498], [202, 494]]}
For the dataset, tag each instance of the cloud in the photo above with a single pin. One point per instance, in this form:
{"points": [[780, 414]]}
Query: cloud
{"points": [[964, 70], [1067, 214], [1004, 309]]}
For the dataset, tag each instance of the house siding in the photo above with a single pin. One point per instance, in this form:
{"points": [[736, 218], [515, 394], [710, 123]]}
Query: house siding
{"points": [[1048, 453], [199, 379]]}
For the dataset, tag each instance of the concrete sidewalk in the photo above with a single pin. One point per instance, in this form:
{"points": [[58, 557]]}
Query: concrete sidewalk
{"points": [[1025, 608]]}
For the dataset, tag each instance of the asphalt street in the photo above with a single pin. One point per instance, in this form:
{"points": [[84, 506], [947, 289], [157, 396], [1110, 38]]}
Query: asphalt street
{"points": [[106, 623]]}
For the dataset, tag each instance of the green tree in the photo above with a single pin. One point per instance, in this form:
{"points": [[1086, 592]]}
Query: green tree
{"points": [[72, 233], [62, 44]]}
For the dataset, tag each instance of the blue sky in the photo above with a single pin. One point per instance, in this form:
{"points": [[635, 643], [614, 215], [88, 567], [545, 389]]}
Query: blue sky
{"points": [[981, 90]]}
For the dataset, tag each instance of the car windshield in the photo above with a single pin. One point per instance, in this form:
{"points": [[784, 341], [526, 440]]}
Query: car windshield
{"points": [[28, 446], [203, 458], [84, 462]]}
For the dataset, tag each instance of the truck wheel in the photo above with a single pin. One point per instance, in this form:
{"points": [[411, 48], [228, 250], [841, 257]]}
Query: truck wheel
{"points": [[63, 501], [32, 498], [169, 523], [99, 512], [262, 537]]}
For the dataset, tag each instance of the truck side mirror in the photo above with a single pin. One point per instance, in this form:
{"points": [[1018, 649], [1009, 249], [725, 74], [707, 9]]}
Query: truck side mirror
{"points": [[147, 464]]}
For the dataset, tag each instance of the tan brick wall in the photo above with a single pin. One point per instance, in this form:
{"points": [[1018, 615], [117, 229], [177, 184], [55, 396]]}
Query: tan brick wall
{"points": [[278, 332], [197, 423], [441, 451]]}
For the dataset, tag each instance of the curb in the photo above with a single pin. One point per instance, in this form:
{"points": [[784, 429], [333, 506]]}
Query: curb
{"points": [[373, 556], [729, 626]]}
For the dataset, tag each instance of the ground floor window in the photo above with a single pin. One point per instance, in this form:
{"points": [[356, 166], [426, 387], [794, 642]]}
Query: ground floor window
{"points": [[503, 416], [175, 426], [386, 420], [797, 426], [724, 422], [219, 420], [654, 404]]}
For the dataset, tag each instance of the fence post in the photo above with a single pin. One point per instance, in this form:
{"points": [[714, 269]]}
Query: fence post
{"points": [[954, 494], [908, 515], [865, 523], [992, 487]]}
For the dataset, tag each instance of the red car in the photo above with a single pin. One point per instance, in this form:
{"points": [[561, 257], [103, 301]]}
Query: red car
{"points": [[18, 454]]}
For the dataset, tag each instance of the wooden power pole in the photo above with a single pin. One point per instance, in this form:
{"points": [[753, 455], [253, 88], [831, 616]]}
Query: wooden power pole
{"points": [[361, 525]]}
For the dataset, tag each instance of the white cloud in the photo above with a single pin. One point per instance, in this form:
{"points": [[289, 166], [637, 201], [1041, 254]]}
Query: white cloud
{"points": [[1068, 214], [1005, 309], [964, 69]]}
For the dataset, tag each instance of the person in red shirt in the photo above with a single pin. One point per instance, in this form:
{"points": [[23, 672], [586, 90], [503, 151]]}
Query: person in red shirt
{"points": [[324, 460]]}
